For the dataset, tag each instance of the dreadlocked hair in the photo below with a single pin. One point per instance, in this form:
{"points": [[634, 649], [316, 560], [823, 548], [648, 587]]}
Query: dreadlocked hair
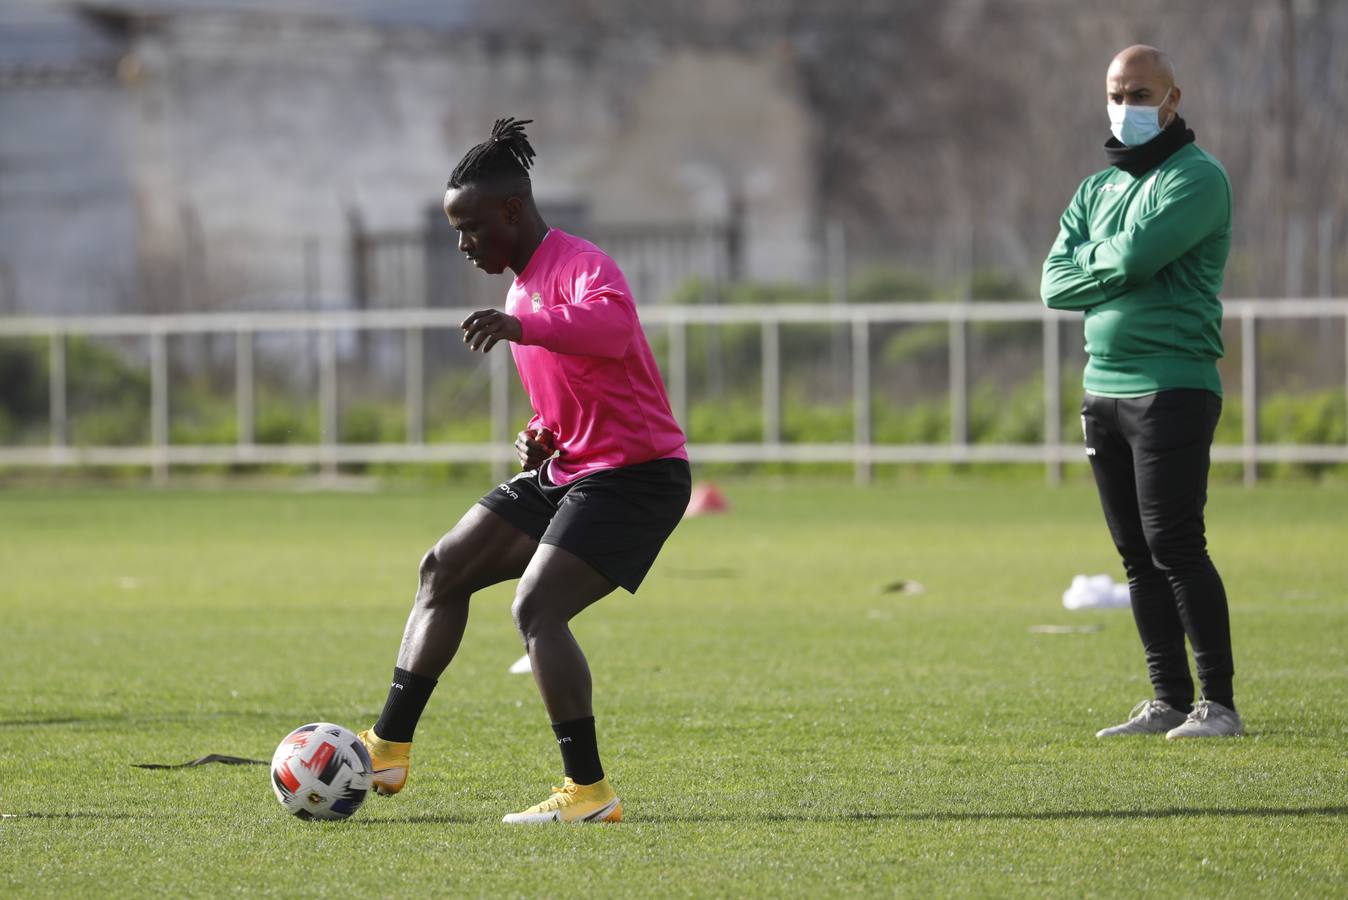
{"points": [[508, 154]]}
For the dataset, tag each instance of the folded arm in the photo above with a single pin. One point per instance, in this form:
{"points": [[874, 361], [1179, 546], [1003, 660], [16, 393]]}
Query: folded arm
{"points": [[1065, 285], [1195, 205]]}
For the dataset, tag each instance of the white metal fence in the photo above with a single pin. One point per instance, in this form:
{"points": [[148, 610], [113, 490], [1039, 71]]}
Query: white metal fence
{"points": [[862, 451]]}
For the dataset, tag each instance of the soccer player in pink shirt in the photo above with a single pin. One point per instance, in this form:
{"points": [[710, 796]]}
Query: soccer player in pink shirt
{"points": [[605, 474]]}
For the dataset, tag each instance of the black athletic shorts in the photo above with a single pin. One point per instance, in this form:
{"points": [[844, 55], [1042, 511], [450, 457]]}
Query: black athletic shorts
{"points": [[615, 519]]}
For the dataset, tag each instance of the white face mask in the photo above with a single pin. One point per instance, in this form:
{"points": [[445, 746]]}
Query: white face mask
{"points": [[1134, 125]]}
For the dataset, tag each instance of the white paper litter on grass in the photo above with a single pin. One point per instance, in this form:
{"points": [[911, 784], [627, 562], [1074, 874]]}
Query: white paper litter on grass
{"points": [[521, 666], [1095, 592]]}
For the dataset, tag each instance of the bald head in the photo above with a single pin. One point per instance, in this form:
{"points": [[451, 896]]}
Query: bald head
{"points": [[1141, 75], [1142, 60]]}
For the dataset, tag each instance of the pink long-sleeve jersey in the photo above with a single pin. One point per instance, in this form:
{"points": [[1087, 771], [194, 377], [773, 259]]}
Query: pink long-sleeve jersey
{"points": [[585, 362]]}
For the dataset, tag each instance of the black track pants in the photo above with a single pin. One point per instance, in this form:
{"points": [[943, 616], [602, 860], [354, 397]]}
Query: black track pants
{"points": [[1150, 456]]}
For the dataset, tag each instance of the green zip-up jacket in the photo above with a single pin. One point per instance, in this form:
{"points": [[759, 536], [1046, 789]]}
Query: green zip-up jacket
{"points": [[1143, 258]]}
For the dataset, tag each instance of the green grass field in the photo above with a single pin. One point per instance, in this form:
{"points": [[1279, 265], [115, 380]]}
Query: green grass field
{"points": [[775, 722]]}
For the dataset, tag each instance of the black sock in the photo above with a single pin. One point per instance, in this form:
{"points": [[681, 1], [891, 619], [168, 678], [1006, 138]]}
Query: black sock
{"points": [[1178, 703], [407, 698], [1228, 702], [580, 750]]}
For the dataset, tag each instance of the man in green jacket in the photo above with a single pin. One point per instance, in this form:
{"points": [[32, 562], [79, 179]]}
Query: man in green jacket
{"points": [[1141, 251]]}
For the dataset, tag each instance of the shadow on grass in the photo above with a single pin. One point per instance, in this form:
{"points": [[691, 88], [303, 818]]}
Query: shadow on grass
{"points": [[100, 816], [53, 720], [822, 818], [1044, 816], [430, 819], [121, 720]]}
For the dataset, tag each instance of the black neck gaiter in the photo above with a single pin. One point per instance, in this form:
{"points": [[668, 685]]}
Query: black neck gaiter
{"points": [[1137, 161]]}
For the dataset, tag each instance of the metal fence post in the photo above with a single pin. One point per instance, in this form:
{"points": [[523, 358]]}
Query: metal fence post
{"points": [[159, 400], [327, 400], [60, 426], [678, 369], [1052, 398], [772, 382], [959, 378], [414, 345], [313, 291], [244, 390], [861, 396], [1249, 399], [1325, 256]]}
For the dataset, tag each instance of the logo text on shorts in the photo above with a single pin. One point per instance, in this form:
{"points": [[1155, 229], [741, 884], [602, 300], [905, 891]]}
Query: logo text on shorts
{"points": [[506, 489]]}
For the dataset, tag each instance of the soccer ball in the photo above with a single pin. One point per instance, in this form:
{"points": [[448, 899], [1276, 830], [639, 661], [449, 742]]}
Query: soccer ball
{"points": [[321, 771]]}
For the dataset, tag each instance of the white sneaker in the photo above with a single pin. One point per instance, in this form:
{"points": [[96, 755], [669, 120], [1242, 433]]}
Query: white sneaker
{"points": [[1208, 720], [1148, 717]]}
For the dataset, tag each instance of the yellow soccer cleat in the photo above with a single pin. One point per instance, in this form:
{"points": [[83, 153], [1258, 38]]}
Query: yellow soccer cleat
{"points": [[390, 760], [573, 803]]}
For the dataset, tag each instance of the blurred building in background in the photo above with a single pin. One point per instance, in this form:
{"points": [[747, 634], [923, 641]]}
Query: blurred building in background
{"points": [[160, 155], [188, 156]]}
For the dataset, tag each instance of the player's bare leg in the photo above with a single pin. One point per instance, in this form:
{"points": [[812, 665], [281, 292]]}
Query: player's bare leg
{"points": [[556, 587], [481, 550]]}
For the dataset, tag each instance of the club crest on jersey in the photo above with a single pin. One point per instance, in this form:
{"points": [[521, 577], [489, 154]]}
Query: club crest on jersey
{"points": [[537, 301]]}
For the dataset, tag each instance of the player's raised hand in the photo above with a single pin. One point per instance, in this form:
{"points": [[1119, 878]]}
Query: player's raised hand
{"points": [[534, 446], [484, 328]]}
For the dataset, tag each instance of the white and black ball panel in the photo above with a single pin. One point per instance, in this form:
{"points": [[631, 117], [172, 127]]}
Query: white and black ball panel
{"points": [[321, 771]]}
